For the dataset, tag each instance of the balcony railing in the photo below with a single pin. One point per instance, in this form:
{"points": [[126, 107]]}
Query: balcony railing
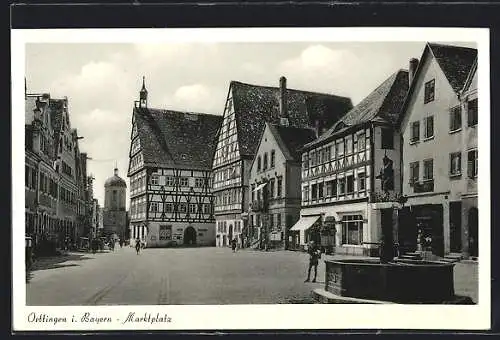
{"points": [[424, 186]]}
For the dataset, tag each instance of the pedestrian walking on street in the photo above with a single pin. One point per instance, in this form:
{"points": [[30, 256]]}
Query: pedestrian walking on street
{"points": [[233, 245], [137, 246], [314, 255]]}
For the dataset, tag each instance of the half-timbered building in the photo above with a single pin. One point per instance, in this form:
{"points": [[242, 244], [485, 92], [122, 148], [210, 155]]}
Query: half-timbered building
{"points": [[171, 200], [247, 109], [351, 172]]}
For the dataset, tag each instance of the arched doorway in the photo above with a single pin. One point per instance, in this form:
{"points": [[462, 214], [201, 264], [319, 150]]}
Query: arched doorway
{"points": [[230, 233], [190, 236], [473, 232]]}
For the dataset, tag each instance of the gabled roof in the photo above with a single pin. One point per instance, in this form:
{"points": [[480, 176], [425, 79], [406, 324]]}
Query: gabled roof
{"points": [[291, 139], [254, 105], [454, 61], [56, 108], [471, 75], [177, 139], [383, 105]]}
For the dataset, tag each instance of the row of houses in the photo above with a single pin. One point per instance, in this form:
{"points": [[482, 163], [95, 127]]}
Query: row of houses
{"points": [[59, 203], [282, 167]]}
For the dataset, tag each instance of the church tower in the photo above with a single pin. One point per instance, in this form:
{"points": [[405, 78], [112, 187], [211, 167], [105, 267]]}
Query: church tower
{"points": [[143, 95]]}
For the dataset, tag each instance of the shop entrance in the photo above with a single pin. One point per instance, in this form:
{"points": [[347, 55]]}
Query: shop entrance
{"points": [[190, 236], [429, 220]]}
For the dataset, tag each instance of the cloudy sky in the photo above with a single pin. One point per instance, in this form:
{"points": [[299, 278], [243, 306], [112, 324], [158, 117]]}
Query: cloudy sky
{"points": [[102, 81]]}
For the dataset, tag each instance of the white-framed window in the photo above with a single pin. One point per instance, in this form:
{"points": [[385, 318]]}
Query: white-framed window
{"points": [[169, 207], [199, 182], [154, 206], [472, 112], [352, 229], [429, 91], [305, 193], [184, 181], [182, 207], [414, 172], [170, 181], [455, 163], [154, 179], [415, 132], [192, 208], [361, 181]]}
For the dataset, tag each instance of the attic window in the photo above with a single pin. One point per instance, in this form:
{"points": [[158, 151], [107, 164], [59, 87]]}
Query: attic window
{"points": [[184, 156]]}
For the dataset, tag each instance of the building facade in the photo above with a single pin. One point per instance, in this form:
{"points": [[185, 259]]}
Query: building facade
{"points": [[55, 172], [114, 214], [274, 188], [247, 109], [351, 175], [171, 200], [439, 130]]}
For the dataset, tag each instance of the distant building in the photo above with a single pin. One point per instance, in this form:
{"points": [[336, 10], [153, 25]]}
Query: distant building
{"points": [[247, 109], [171, 200], [114, 213], [439, 129], [274, 184]]}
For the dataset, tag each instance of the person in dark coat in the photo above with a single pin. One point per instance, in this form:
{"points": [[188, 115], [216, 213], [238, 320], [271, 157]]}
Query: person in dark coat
{"points": [[233, 245], [137, 246], [314, 255]]}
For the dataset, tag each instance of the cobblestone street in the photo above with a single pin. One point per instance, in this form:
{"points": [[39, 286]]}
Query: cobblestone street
{"points": [[185, 276]]}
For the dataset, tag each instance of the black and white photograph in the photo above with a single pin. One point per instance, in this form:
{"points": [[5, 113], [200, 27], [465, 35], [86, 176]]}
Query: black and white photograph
{"points": [[251, 176]]}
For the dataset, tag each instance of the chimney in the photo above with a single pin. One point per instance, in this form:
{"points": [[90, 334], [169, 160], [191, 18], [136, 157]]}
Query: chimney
{"points": [[283, 103], [412, 69], [116, 171]]}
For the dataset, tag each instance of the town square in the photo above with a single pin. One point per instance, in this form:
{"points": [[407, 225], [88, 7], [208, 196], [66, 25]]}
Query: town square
{"points": [[276, 175]]}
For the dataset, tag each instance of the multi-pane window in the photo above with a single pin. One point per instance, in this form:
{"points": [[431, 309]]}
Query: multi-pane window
{"points": [[341, 186], [314, 192], [472, 163], [414, 172], [169, 207], [348, 145], [259, 163], [170, 181], [199, 182], [184, 181], [428, 169], [455, 118], [387, 139], [182, 207], [329, 189], [305, 161], [305, 193], [192, 208], [361, 142], [352, 229], [154, 206], [415, 132], [320, 189], [278, 220], [429, 91], [350, 184], [206, 208], [340, 148], [264, 166], [154, 179], [472, 112], [361, 181], [279, 187], [429, 127], [455, 163], [273, 158]]}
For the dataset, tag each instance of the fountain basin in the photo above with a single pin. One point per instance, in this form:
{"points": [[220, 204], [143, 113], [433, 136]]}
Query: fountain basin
{"points": [[398, 281]]}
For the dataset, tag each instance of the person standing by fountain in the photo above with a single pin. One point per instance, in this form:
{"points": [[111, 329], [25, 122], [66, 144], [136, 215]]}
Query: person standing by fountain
{"points": [[314, 255]]}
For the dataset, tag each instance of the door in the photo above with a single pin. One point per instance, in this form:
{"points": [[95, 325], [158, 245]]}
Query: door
{"points": [[230, 233], [473, 231], [455, 227], [190, 236]]}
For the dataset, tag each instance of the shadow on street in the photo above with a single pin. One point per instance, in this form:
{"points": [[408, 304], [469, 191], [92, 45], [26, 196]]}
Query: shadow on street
{"points": [[54, 262]]}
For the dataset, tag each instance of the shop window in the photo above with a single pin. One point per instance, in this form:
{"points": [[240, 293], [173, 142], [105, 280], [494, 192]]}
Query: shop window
{"points": [[352, 229]]}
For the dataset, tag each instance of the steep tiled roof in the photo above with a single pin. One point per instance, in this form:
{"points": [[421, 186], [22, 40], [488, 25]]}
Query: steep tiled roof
{"points": [[455, 62], [177, 139], [381, 105], [254, 105], [56, 109], [290, 139]]}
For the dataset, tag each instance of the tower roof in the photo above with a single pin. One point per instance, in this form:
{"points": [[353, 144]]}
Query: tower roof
{"points": [[115, 181]]}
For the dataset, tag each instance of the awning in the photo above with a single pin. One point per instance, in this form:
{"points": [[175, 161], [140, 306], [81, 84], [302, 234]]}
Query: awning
{"points": [[260, 186], [305, 223]]}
